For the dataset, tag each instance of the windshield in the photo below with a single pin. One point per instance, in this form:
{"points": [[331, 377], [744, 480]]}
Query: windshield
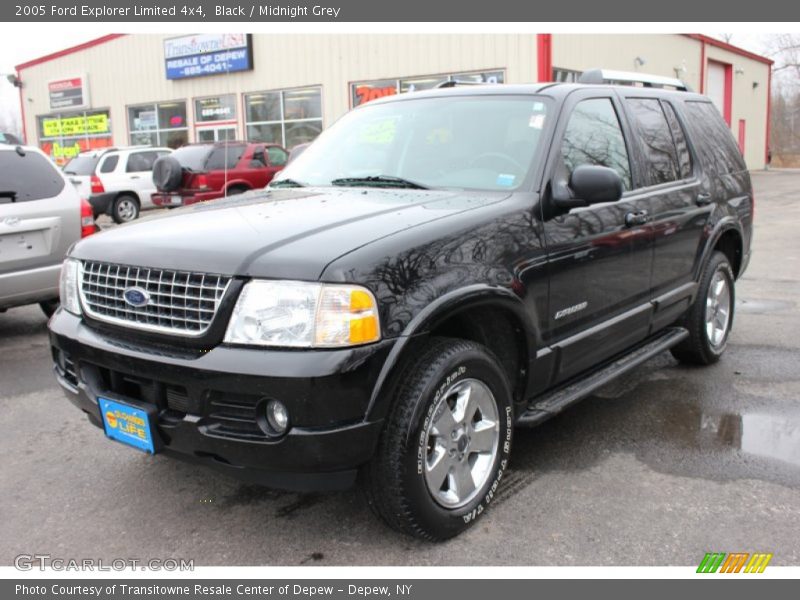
{"points": [[27, 176], [193, 157], [81, 165], [464, 142]]}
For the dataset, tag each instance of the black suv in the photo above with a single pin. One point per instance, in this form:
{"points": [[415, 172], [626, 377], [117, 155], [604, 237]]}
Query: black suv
{"points": [[436, 269]]}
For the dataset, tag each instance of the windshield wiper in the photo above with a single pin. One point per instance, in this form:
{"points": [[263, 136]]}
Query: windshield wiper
{"points": [[380, 180], [10, 194], [287, 183]]}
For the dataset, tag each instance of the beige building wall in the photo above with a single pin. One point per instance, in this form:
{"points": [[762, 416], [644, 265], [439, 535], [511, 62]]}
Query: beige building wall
{"points": [[663, 54], [130, 70]]}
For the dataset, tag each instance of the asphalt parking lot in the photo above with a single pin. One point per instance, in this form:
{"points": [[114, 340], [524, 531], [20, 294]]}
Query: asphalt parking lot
{"points": [[656, 469]]}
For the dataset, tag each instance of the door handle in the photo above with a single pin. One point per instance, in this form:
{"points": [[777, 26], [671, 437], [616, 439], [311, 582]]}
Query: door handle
{"points": [[134, 177], [640, 217], [703, 198]]}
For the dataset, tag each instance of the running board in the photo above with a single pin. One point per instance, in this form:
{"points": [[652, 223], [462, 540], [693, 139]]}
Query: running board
{"points": [[549, 404]]}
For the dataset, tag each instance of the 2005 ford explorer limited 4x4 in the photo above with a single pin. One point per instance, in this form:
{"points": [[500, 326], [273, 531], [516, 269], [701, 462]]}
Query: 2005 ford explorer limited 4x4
{"points": [[434, 270]]}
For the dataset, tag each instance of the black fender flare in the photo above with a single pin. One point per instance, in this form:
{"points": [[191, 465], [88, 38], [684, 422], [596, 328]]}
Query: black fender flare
{"points": [[436, 312], [724, 225]]}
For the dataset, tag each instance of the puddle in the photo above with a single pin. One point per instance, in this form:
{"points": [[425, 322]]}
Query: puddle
{"points": [[759, 434]]}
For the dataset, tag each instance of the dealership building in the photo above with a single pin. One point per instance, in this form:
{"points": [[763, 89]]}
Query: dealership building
{"points": [[169, 90]]}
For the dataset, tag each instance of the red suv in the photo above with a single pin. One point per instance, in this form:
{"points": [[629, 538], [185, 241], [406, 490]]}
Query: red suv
{"points": [[199, 172]]}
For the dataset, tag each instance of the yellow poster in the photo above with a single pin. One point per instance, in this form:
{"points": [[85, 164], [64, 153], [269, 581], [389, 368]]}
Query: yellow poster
{"points": [[72, 126]]}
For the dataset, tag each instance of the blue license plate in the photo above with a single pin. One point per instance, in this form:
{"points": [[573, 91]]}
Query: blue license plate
{"points": [[127, 424]]}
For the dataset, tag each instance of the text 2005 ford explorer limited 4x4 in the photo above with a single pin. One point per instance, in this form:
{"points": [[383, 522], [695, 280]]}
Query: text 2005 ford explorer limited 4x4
{"points": [[435, 269]]}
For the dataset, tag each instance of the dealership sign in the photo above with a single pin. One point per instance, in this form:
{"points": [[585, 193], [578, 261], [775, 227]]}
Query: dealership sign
{"points": [[207, 54], [70, 93]]}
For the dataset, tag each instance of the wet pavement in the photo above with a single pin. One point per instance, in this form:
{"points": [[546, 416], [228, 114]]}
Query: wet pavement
{"points": [[658, 467]]}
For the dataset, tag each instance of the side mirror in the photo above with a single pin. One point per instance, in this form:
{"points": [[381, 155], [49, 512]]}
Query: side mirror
{"points": [[590, 184]]}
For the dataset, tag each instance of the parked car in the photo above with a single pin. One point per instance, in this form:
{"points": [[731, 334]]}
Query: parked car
{"points": [[41, 216], [117, 181], [199, 172], [433, 270]]}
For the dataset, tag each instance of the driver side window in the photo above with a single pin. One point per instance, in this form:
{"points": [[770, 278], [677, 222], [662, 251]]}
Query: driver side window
{"points": [[594, 137]]}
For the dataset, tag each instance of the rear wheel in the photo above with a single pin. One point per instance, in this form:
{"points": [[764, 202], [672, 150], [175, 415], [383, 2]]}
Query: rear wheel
{"points": [[446, 441], [710, 318], [237, 189], [125, 209]]}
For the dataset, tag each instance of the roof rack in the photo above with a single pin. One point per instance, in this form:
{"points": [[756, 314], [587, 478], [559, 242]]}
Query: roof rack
{"points": [[454, 83], [606, 76]]}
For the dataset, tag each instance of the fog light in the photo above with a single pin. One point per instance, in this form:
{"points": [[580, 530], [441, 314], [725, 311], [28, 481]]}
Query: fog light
{"points": [[277, 416]]}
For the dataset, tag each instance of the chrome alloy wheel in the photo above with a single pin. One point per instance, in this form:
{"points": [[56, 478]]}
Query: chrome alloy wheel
{"points": [[718, 310], [126, 209], [462, 441]]}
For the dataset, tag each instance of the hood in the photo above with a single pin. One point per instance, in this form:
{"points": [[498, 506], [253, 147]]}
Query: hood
{"points": [[291, 233]]}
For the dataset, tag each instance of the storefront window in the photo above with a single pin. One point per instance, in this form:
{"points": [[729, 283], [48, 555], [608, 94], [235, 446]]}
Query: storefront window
{"points": [[365, 91], [287, 117], [158, 124], [64, 136]]}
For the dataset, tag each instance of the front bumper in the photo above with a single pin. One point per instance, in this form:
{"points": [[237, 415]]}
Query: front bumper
{"points": [[210, 404]]}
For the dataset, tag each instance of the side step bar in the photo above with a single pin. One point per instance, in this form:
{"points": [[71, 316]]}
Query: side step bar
{"points": [[549, 404]]}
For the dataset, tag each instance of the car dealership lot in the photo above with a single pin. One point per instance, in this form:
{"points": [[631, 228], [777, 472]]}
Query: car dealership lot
{"points": [[658, 468]]}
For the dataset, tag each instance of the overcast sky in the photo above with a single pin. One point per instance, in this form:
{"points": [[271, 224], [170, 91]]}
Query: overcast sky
{"points": [[19, 47]]}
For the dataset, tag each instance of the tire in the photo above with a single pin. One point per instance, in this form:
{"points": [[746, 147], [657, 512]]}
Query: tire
{"points": [[125, 209], [400, 482], [49, 307], [705, 344], [167, 174], [235, 190]]}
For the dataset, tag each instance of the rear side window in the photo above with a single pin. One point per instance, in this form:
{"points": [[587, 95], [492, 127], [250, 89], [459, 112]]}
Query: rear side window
{"points": [[594, 137], [656, 140], [679, 137], [81, 165], [225, 157], [28, 177], [109, 164], [141, 161], [712, 139]]}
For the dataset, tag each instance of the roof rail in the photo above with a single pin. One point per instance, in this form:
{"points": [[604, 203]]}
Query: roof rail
{"points": [[454, 83], [606, 76]]}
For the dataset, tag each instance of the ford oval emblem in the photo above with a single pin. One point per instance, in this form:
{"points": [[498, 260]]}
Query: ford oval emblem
{"points": [[136, 297]]}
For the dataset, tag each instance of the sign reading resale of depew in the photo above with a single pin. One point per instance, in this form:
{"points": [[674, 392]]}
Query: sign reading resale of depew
{"points": [[207, 54]]}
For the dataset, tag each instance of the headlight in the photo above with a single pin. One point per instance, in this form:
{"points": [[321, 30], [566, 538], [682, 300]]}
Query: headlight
{"points": [[68, 286], [303, 315]]}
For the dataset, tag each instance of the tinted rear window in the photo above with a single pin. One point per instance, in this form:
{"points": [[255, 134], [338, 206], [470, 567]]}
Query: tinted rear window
{"points": [[28, 177], [656, 137], [713, 140], [225, 157], [81, 165], [193, 157]]}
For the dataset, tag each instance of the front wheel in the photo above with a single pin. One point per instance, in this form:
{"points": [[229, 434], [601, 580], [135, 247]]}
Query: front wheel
{"points": [[446, 442], [710, 318]]}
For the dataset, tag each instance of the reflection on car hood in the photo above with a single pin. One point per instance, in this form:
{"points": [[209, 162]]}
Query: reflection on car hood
{"points": [[290, 233]]}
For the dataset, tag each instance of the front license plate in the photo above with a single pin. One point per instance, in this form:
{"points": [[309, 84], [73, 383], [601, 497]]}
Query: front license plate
{"points": [[127, 424]]}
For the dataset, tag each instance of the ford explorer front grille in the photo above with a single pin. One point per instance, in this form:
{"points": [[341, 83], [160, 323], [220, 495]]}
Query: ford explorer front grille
{"points": [[160, 300]]}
